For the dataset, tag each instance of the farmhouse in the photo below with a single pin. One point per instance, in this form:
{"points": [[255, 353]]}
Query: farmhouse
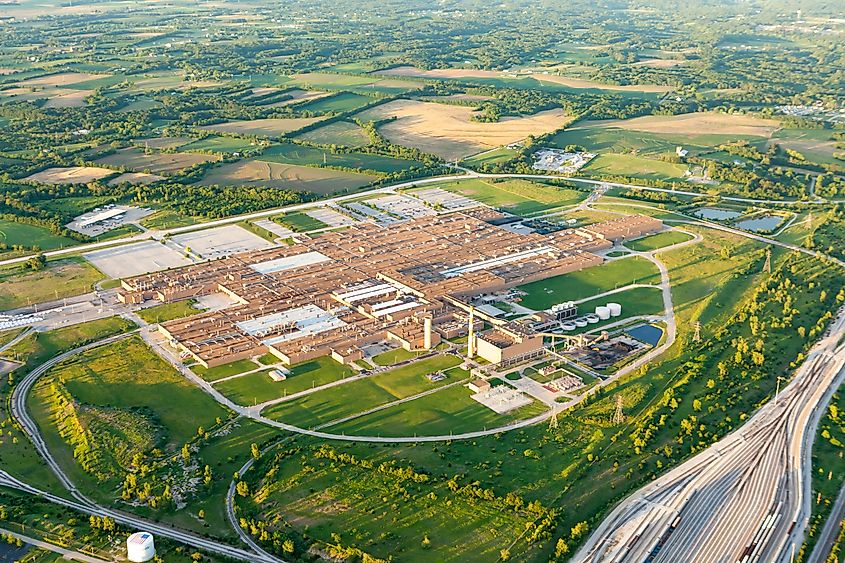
{"points": [[407, 282]]}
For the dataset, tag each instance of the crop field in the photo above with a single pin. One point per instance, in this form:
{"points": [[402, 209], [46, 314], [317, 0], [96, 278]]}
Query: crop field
{"points": [[162, 143], [635, 166], [814, 144], [59, 79], [63, 278], [155, 163], [341, 133], [448, 130], [590, 281], [285, 177], [135, 178], [271, 127], [660, 240], [339, 103], [438, 414], [700, 123], [13, 234], [219, 144], [308, 156], [258, 387], [324, 407], [321, 81], [293, 96], [69, 175], [520, 197]]}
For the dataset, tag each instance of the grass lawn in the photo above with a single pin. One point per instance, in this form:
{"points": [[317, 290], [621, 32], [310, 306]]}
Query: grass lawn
{"points": [[59, 279], [169, 311], [635, 302], [393, 357], [660, 240], [14, 234], [346, 400], [225, 370], [591, 281], [300, 222], [516, 196], [166, 219], [258, 387], [450, 410]]}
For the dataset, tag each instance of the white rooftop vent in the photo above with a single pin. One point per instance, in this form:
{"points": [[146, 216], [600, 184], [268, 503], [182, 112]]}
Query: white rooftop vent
{"points": [[140, 547]]}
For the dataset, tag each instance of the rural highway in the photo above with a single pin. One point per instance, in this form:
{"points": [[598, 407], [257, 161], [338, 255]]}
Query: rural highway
{"points": [[744, 499], [467, 174]]}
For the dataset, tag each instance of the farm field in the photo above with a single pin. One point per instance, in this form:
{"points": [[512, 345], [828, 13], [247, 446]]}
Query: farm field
{"points": [[293, 96], [577, 285], [341, 133], [493, 156], [521, 197], [219, 144], [135, 178], [270, 127], [285, 177], [700, 123], [446, 411], [339, 103], [156, 163], [59, 279], [258, 387], [347, 82], [308, 156], [348, 399], [70, 175], [162, 143], [635, 166], [60, 79], [13, 233], [448, 130], [815, 144], [660, 240]]}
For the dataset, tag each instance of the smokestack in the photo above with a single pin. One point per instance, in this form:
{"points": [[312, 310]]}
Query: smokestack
{"points": [[471, 338], [427, 333]]}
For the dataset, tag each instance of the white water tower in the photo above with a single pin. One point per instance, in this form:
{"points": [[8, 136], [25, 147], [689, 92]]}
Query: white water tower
{"points": [[140, 547]]}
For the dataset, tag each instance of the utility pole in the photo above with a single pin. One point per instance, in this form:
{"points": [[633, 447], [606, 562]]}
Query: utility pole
{"points": [[696, 337]]}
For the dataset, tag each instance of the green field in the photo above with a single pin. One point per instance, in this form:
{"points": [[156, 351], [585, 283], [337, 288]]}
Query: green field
{"points": [[635, 302], [393, 357], [220, 144], [635, 167], [224, 370], [495, 156], [258, 387], [300, 222], [448, 411], [309, 156], [166, 219], [341, 133], [29, 236], [660, 240], [169, 311], [591, 281], [339, 103], [348, 82], [59, 279], [323, 407], [515, 196]]}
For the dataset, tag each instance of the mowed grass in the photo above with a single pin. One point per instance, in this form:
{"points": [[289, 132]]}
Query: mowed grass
{"points": [[341, 133], [168, 311], [634, 166], [225, 370], [339, 103], [258, 387], [520, 197], [660, 240], [590, 281], [636, 302], [59, 279], [345, 400], [393, 357], [309, 156], [448, 411], [300, 222], [14, 234]]}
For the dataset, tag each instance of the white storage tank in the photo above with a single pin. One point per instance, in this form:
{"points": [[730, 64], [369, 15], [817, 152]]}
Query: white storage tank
{"points": [[615, 309], [592, 319], [567, 326], [140, 547], [580, 322], [603, 312]]}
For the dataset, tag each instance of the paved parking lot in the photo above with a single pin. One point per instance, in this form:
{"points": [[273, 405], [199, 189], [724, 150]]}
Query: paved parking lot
{"points": [[136, 259], [220, 241]]}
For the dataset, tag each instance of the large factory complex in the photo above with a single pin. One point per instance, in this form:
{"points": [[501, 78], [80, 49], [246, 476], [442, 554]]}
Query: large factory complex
{"points": [[410, 283]]}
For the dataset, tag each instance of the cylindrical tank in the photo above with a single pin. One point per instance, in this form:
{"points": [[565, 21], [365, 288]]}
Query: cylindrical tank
{"points": [[615, 309], [140, 547], [603, 312], [580, 322], [591, 318], [567, 326]]}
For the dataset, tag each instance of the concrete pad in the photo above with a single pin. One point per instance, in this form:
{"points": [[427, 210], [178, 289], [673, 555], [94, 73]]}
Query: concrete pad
{"points": [[330, 217], [221, 241], [136, 259], [502, 399]]}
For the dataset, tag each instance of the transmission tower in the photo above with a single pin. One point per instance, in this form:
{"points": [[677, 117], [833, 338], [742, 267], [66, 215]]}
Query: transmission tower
{"points": [[618, 416], [553, 420], [767, 267], [696, 337]]}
